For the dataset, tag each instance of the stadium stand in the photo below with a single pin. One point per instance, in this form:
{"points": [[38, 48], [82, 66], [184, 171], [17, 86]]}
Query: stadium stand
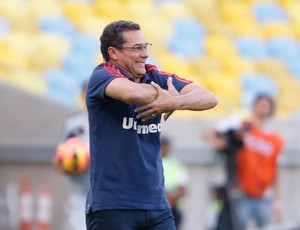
{"points": [[48, 47]]}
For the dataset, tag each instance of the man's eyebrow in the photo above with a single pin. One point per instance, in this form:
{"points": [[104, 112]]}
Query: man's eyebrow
{"points": [[140, 44]]}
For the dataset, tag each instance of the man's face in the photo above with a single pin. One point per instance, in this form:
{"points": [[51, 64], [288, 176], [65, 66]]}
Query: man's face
{"points": [[132, 55]]}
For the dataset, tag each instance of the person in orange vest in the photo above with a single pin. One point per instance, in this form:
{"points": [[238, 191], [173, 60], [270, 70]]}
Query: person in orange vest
{"points": [[176, 180], [251, 148]]}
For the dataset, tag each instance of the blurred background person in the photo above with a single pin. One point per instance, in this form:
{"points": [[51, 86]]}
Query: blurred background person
{"points": [[75, 138], [251, 149], [176, 180]]}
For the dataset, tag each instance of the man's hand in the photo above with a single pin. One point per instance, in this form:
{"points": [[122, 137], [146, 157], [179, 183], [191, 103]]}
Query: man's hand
{"points": [[164, 103]]}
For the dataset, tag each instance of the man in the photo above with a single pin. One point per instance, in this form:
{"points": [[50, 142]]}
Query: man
{"points": [[126, 99], [251, 148], [176, 180]]}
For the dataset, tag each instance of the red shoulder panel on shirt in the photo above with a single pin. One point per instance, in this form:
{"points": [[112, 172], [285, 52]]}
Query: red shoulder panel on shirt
{"points": [[110, 68]]}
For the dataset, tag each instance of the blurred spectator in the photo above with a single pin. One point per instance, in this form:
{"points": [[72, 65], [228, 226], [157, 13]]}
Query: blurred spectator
{"points": [[176, 180], [251, 149], [76, 126]]}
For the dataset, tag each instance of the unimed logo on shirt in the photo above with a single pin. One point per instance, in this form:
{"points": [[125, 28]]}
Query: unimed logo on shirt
{"points": [[130, 123]]}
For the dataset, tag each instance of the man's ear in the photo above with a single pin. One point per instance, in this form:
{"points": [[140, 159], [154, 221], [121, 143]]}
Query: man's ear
{"points": [[112, 53]]}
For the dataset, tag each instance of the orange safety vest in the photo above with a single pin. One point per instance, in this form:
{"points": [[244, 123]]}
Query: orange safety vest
{"points": [[257, 161]]}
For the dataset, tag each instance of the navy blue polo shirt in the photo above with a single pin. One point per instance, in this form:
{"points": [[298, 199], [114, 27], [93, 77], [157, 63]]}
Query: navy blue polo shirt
{"points": [[126, 168]]}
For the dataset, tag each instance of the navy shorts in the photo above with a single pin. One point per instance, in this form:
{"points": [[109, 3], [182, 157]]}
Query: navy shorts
{"points": [[128, 219]]}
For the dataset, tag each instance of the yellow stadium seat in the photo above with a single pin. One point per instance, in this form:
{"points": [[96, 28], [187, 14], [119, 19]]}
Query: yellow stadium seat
{"points": [[50, 49], [224, 84], [174, 64], [276, 29], [234, 10], [219, 46], [205, 65], [296, 29], [44, 8], [272, 67], [173, 10], [207, 14], [287, 2], [293, 10], [91, 24], [259, 1], [236, 65], [134, 1], [152, 24], [140, 10], [72, 9], [245, 27], [238, 15], [21, 50], [16, 49], [110, 10], [27, 80], [170, 62], [198, 4], [18, 14], [289, 87]]}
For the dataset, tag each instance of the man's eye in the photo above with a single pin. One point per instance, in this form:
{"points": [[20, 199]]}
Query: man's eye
{"points": [[138, 47]]}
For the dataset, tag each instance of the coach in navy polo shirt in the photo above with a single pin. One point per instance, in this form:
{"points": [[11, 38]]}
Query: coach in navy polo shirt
{"points": [[126, 99]]}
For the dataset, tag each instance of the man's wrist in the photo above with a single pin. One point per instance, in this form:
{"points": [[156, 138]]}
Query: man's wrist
{"points": [[178, 102], [155, 92]]}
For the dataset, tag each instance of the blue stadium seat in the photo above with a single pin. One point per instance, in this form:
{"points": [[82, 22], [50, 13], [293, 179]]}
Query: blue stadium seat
{"points": [[61, 96], [4, 26], [160, 2], [85, 43], [56, 24], [253, 84], [283, 48], [266, 12], [81, 60], [187, 38], [62, 86], [294, 67], [60, 79], [251, 47], [78, 65]]}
